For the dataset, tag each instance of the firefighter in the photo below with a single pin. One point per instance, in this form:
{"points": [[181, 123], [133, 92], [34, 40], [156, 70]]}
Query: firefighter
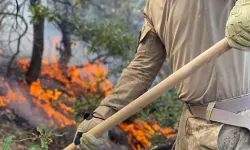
{"points": [[216, 97]]}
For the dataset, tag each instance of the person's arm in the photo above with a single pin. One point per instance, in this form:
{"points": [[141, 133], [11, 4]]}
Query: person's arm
{"points": [[135, 80], [141, 72], [238, 26], [138, 76]]}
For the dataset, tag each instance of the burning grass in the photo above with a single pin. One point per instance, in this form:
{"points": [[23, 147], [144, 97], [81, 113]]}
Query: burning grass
{"points": [[140, 133], [48, 101], [54, 85]]}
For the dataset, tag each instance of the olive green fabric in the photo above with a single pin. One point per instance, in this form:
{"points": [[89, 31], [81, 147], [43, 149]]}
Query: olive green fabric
{"points": [[180, 30], [238, 25], [187, 28], [140, 73]]}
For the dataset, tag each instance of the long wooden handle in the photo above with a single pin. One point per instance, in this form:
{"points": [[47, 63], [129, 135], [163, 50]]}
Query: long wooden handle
{"points": [[159, 89]]}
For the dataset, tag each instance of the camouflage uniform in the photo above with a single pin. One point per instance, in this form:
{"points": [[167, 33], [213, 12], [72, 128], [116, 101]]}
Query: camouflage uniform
{"points": [[180, 30]]}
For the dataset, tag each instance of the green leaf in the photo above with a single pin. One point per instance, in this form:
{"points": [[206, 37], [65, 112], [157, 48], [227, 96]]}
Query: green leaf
{"points": [[78, 14], [79, 3], [35, 147], [39, 129], [6, 143], [44, 143]]}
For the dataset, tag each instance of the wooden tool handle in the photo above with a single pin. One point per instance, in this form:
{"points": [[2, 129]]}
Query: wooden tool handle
{"points": [[72, 146], [159, 89]]}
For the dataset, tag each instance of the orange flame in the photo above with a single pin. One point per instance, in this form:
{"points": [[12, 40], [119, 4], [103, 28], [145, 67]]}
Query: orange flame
{"points": [[142, 132], [89, 77]]}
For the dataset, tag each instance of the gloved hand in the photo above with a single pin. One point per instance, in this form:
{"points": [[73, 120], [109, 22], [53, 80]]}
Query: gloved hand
{"points": [[238, 26], [89, 142], [85, 141]]}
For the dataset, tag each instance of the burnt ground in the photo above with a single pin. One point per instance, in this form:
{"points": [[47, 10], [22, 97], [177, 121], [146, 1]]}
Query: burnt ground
{"points": [[19, 129]]}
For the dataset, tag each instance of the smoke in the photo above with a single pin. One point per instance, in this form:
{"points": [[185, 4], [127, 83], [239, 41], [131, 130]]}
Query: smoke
{"points": [[24, 107]]}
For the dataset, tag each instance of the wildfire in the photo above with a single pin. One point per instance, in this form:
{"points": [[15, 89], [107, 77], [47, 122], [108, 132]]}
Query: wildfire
{"points": [[4, 100], [142, 132], [45, 95], [55, 89]]}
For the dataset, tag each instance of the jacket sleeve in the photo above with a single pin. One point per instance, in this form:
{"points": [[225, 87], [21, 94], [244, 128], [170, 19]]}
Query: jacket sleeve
{"points": [[138, 76]]}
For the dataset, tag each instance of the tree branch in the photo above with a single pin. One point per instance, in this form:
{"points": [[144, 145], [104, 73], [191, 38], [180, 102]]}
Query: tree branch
{"points": [[17, 12], [19, 39], [63, 2]]}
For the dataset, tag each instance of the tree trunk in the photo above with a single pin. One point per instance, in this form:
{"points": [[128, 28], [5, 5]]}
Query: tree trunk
{"points": [[38, 44], [66, 41], [66, 38]]}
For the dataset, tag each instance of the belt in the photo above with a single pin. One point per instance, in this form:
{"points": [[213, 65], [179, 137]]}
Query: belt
{"points": [[224, 112]]}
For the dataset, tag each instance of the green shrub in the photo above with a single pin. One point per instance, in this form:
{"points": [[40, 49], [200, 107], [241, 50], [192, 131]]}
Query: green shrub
{"points": [[45, 136]]}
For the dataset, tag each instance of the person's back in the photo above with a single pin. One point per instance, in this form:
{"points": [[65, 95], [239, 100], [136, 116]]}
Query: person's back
{"points": [[187, 28]]}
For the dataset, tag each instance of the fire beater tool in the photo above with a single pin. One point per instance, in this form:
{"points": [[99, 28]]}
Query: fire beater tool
{"points": [[168, 83]]}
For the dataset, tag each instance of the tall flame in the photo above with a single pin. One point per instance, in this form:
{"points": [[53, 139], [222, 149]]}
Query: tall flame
{"points": [[55, 89], [46, 95]]}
